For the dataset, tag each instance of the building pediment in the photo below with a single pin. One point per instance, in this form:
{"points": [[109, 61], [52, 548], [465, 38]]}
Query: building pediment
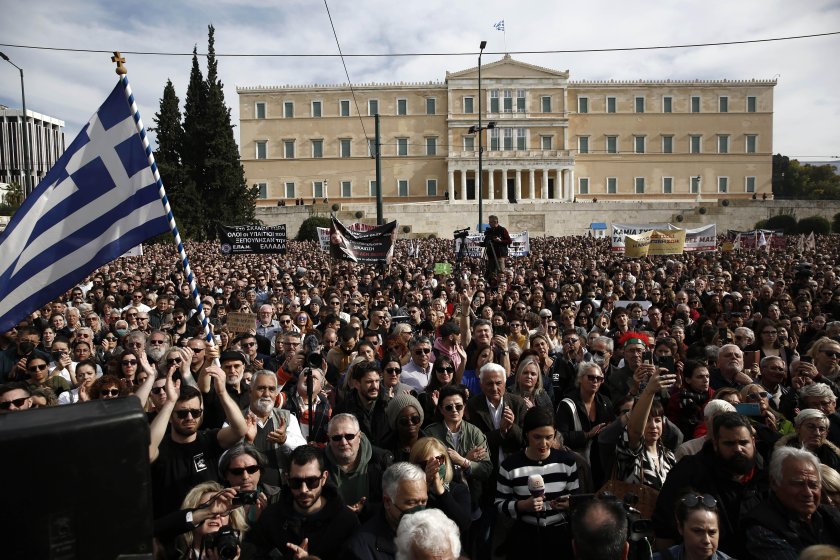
{"points": [[508, 68]]}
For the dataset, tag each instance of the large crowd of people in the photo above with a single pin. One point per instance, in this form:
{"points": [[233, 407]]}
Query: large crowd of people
{"points": [[571, 402]]}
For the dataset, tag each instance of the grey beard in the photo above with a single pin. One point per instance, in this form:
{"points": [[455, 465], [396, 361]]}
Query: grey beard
{"points": [[264, 406], [156, 353]]}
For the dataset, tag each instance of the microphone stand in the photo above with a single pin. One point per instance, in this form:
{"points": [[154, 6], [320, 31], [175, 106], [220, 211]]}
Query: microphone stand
{"points": [[309, 396]]}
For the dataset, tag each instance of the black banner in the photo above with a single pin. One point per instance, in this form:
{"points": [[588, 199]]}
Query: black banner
{"points": [[237, 240], [373, 246]]}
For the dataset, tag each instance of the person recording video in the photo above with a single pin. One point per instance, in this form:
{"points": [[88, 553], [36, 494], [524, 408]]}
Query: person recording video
{"points": [[496, 240]]}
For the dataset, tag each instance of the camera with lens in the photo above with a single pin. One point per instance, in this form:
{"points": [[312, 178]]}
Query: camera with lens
{"points": [[225, 542], [246, 497], [640, 532], [314, 360]]}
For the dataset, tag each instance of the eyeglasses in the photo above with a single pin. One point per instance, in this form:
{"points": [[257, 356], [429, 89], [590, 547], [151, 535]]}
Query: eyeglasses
{"points": [[422, 350], [135, 344], [158, 390], [595, 378], [239, 471], [570, 340], [248, 344], [758, 396], [412, 420], [446, 369], [111, 338], [196, 350], [194, 412], [311, 482], [131, 314], [453, 407], [17, 402], [173, 361], [441, 459], [38, 367], [129, 362], [109, 393], [393, 370], [706, 500], [335, 302], [831, 353], [552, 327], [142, 318], [773, 333], [156, 342], [338, 437]]}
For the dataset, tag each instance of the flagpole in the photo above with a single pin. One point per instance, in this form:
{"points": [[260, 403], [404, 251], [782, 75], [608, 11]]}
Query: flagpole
{"points": [[182, 253]]}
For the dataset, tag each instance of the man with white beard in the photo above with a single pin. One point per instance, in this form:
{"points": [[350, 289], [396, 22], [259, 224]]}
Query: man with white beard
{"points": [[157, 345], [274, 431]]}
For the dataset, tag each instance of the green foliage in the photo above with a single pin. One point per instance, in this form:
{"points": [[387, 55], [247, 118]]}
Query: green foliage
{"points": [[761, 224], [12, 200], [835, 223], [817, 224], [784, 222], [309, 228], [792, 179]]}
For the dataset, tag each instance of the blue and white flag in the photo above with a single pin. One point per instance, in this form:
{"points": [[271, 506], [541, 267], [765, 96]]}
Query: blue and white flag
{"points": [[97, 202], [500, 26]]}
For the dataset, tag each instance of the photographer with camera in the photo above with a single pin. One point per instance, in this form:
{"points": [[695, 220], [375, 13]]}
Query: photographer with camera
{"points": [[218, 525], [242, 466], [497, 240]]}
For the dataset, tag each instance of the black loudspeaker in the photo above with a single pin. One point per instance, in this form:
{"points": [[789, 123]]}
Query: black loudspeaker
{"points": [[76, 483]]}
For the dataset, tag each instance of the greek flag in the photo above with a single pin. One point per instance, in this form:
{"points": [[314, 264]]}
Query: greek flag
{"points": [[500, 26], [98, 201]]}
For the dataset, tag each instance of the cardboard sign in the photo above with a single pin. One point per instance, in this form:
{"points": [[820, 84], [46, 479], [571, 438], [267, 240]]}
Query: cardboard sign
{"points": [[239, 322]]}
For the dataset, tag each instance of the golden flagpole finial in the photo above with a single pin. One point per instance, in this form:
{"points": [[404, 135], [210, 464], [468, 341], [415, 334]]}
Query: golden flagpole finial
{"points": [[120, 60]]}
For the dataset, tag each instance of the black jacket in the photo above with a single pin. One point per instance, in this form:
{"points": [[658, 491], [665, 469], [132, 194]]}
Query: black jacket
{"points": [[771, 532], [373, 423], [374, 540]]}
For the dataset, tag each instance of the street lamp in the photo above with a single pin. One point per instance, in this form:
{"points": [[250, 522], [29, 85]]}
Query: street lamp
{"points": [[478, 129], [27, 178]]}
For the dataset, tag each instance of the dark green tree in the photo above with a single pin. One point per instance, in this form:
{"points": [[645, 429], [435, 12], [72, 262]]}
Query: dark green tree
{"points": [[784, 222], [12, 200], [817, 224], [309, 228], [835, 223], [193, 146], [792, 179]]}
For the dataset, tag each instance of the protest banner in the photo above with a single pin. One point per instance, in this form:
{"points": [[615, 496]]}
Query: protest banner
{"points": [[637, 245], [699, 239], [619, 231], [521, 246], [376, 245], [237, 240], [443, 268]]}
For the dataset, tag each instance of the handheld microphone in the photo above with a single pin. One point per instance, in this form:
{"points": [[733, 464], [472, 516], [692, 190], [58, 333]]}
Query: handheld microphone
{"points": [[536, 485]]}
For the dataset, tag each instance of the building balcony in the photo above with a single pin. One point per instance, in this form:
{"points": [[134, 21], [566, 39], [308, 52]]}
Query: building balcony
{"points": [[506, 157]]}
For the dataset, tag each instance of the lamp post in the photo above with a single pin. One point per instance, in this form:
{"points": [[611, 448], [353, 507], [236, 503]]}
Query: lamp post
{"points": [[27, 177], [478, 129]]}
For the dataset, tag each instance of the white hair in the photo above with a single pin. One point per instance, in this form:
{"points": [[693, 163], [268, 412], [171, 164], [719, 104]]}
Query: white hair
{"points": [[584, 367], [717, 406], [430, 531], [746, 331], [817, 390], [344, 417], [810, 414], [397, 473], [491, 368], [782, 454]]}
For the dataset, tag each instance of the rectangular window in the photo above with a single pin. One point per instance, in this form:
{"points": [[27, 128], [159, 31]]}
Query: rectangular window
{"points": [[612, 185], [402, 146], [695, 144], [431, 146], [372, 147], [468, 105], [260, 110], [508, 136], [723, 184], [373, 107], [344, 108], [402, 187], [695, 185], [288, 109], [494, 101], [372, 188], [749, 184], [263, 190], [611, 103], [667, 144], [262, 149], [583, 104], [508, 101], [344, 147], [402, 106], [289, 149], [469, 143], [667, 104], [723, 104], [639, 144], [545, 142], [290, 190], [431, 187], [317, 148], [346, 189], [545, 103], [318, 189], [316, 108], [521, 138], [494, 139], [640, 104], [695, 103], [667, 185], [751, 103], [612, 144], [583, 144], [431, 105], [640, 185], [723, 144], [583, 185], [752, 140], [520, 101]]}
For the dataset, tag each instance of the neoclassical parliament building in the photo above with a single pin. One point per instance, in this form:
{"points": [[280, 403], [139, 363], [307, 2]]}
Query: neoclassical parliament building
{"points": [[552, 139]]}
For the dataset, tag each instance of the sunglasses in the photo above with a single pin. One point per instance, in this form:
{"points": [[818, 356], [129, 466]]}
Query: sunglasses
{"points": [[412, 420], [706, 500], [196, 350], [453, 407], [158, 390], [239, 471], [570, 340], [194, 412], [157, 342], [38, 367], [109, 393], [111, 338], [422, 350], [173, 361], [311, 482], [441, 459], [831, 353], [446, 369], [17, 402], [338, 437], [393, 370], [595, 378], [757, 396]]}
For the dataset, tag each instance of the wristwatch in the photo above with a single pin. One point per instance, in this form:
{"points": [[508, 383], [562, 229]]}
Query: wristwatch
{"points": [[190, 517]]}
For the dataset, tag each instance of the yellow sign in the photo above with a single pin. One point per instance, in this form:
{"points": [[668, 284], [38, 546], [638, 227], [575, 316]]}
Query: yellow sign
{"points": [[655, 242], [637, 245]]}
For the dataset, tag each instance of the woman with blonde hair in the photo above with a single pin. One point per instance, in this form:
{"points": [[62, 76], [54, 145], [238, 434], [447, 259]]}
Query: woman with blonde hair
{"points": [[447, 492], [210, 504], [528, 382]]}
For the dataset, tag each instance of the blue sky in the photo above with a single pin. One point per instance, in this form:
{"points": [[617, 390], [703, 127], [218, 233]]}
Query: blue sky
{"points": [[71, 85]]}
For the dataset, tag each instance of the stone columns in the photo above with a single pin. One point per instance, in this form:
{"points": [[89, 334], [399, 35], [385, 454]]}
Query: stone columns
{"points": [[531, 190], [544, 194], [518, 185], [463, 184], [491, 187], [451, 185]]}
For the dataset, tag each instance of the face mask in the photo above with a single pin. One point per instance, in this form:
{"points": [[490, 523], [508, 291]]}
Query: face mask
{"points": [[415, 509], [122, 332], [442, 471]]}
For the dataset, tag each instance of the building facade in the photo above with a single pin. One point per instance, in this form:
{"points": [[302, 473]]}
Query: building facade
{"points": [[552, 139], [46, 138]]}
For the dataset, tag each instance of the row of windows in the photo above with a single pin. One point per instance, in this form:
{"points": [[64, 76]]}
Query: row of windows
{"points": [[639, 104], [318, 189], [695, 144], [345, 145], [316, 109], [640, 185]]}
